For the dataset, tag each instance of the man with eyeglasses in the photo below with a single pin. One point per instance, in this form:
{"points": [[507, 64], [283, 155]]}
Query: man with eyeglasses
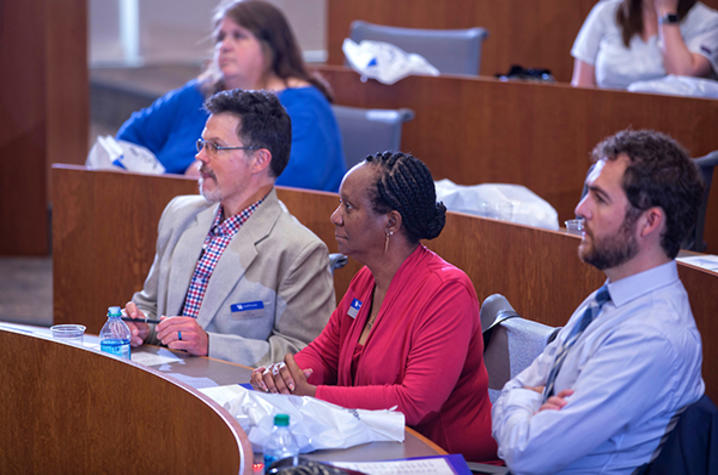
{"points": [[235, 276], [602, 395]]}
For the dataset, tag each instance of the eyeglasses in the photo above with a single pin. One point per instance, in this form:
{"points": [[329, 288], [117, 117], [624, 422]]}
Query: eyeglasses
{"points": [[213, 148]]}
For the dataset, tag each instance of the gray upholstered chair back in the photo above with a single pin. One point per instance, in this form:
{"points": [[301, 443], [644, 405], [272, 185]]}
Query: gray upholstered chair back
{"points": [[337, 260], [450, 51], [706, 164], [368, 131], [512, 343]]}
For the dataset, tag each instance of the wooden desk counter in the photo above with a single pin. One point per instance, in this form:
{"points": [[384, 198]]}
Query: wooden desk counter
{"points": [[67, 409], [209, 372], [95, 413]]}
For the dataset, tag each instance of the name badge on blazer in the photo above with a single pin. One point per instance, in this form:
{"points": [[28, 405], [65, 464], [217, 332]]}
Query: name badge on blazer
{"points": [[354, 308], [252, 309]]}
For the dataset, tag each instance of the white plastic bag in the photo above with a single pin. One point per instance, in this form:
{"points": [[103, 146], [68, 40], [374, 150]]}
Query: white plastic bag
{"points": [[384, 62], [678, 85], [315, 424], [108, 153], [498, 200]]}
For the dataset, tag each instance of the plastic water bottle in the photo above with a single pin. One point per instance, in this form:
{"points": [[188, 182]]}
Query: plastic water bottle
{"points": [[115, 334], [281, 443]]}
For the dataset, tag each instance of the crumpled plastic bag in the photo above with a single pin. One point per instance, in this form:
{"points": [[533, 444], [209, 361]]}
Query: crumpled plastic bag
{"points": [[108, 153], [514, 203], [315, 424], [384, 62], [678, 85]]}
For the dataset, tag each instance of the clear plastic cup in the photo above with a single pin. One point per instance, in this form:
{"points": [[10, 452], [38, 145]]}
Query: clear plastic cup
{"points": [[574, 226], [68, 332]]}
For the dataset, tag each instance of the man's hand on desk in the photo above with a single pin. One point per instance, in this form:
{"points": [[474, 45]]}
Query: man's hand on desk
{"points": [[183, 333], [140, 331], [285, 378]]}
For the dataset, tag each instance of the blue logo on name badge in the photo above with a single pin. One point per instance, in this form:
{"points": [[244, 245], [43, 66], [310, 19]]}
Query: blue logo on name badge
{"points": [[244, 306], [354, 308]]}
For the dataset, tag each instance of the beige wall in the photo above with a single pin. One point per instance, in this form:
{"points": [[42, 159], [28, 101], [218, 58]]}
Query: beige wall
{"points": [[178, 30]]}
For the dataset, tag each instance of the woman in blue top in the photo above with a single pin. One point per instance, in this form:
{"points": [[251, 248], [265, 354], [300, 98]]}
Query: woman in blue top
{"points": [[254, 49]]}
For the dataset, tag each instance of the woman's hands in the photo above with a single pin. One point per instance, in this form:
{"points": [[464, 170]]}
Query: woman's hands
{"points": [[665, 6], [285, 378]]}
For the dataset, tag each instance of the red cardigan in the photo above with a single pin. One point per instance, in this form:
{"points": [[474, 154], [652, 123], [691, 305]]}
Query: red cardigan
{"points": [[424, 354]]}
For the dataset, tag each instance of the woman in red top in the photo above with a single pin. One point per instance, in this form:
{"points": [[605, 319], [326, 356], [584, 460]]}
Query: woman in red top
{"points": [[407, 332]]}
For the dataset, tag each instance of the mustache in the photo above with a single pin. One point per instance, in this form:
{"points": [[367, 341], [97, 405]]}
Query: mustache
{"points": [[207, 171]]}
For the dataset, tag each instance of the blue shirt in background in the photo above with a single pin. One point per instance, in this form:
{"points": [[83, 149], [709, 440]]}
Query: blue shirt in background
{"points": [[173, 123]]}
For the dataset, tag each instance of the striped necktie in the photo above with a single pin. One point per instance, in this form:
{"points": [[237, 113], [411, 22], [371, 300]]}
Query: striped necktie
{"points": [[589, 313]]}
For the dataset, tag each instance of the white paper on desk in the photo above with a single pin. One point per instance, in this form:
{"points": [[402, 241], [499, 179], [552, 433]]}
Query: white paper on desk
{"points": [[314, 423], [705, 261], [151, 359], [428, 466]]}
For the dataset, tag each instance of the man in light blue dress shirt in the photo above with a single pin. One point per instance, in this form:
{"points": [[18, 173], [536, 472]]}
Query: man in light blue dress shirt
{"points": [[637, 364]]}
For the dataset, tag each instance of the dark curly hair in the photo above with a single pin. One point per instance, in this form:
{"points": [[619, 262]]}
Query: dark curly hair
{"points": [[405, 184], [263, 122], [660, 173]]}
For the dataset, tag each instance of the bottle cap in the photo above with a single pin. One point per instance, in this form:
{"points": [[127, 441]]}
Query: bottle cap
{"points": [[281, 420], [114, 312]]}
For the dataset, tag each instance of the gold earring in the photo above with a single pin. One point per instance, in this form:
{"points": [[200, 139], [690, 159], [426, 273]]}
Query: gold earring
{"points": [[387, 235]]}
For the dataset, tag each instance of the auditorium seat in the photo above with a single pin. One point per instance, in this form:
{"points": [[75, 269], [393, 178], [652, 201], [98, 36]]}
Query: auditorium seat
{"points": [[511, 343], [367, 131], [706, 164], [450, 51]]}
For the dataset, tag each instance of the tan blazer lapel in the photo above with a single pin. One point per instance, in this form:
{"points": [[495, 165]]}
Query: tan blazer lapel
{"points": [[237, 258], [184, 262]]}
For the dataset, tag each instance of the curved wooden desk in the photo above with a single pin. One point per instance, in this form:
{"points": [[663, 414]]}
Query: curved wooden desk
{"points": [[70, 409], [67, 409], [207, 372]]}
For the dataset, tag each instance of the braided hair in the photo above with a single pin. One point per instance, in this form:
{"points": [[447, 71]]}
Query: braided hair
{"points": [[405, 184]]}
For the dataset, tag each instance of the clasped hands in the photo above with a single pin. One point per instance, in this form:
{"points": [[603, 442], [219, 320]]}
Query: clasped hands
{"points": [[285, 377], [178, 333], [555, 402]]}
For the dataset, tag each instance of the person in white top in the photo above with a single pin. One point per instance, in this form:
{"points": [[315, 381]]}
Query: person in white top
{"points": [[624, 41]]}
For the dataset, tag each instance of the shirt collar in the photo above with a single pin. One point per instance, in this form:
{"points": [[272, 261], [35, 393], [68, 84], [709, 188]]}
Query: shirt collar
{"points": [[637, 285], [230, 225]]}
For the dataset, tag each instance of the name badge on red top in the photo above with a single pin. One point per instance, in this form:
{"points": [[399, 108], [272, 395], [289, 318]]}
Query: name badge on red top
{"points": [[354, 308]]}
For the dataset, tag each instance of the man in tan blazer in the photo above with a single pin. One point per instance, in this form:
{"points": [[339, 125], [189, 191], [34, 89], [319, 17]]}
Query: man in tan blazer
{"points": [[235, 276]]}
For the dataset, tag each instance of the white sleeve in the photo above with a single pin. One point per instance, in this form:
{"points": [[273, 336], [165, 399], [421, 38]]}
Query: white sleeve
{"points": [[704, 40], [588, 40]]}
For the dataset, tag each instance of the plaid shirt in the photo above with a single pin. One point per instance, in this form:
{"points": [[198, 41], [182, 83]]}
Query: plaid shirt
{"points": [[218, 237]]}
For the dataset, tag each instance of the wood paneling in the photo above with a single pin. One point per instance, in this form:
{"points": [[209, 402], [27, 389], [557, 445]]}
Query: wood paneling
{"points": [[475, 130], [534, 34], [23, 192], [538, 270], [702, 288], [67, 82], [66, 409], [43, 112]]}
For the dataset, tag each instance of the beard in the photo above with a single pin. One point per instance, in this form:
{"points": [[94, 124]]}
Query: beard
{"points": [[611, 251], [214, 195]]}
